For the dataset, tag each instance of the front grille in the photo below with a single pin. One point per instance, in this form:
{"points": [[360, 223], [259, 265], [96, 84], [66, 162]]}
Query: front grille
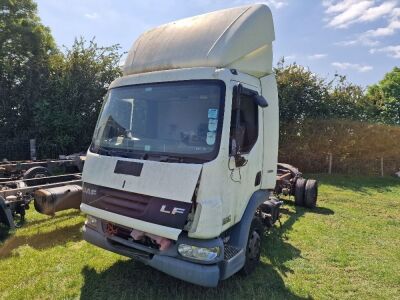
{"points": [[119, 231], [120, 203], [146, 208], [114, 230]]}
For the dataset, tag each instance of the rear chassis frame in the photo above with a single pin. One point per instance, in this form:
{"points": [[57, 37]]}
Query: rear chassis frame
{"points": [[16, 195]]}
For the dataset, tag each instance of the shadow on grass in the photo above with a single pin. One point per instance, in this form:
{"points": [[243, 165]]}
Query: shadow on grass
{"points": [[58, 217], [59, 236], [133, 280], [130, 279], [361, 184], [276, 248], [6, 232]]}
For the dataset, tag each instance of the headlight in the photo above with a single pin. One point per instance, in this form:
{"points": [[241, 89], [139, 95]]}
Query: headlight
{"points": [[91, 221], [205, 254]]}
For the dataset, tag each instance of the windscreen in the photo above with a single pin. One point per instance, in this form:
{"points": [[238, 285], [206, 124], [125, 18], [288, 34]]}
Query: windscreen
{"points": [[175, 119]]}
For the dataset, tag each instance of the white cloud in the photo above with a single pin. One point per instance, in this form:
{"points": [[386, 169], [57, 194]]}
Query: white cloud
{"points": [[92, 16], [392, 51], [369, 37], [337, 7], [342, 13], [392, 26], [290, 57], [350, 66], [275, 3], [317, 56], [362, 40], [376, 12]]}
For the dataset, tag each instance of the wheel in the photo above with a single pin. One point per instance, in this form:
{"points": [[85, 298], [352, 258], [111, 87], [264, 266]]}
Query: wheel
{"points": [[36, 172], [253, 247], [311, 193], [299, 192]]}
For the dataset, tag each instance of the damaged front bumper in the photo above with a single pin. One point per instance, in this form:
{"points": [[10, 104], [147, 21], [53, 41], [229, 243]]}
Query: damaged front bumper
{"points": [[205, 273]]}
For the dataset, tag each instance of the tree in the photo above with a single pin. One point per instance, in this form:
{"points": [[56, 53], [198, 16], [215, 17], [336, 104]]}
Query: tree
{"points": [[25, 49], [386, 95], [302, 94], [66, 114]]}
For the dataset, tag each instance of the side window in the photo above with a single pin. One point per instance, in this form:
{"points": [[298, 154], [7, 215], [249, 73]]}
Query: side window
{"points": [[248, 123]]}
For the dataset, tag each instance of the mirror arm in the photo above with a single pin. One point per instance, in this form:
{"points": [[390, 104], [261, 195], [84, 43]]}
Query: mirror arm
{"points": [[237, 105]]}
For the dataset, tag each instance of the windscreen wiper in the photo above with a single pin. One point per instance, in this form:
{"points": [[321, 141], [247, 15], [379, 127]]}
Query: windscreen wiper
{"points": [[103, 151], [114, 152], [169, 158], [174, 158]]}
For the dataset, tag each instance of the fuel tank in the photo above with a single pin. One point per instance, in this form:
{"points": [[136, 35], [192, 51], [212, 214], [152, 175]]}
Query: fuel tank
{"points": [[49, 201]]}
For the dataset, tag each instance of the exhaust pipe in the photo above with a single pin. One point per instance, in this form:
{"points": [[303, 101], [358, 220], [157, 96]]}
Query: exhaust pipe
{"points": [[49, 201]]}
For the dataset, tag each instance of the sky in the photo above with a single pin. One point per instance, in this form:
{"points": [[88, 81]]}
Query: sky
{"points": [[356, 38]]}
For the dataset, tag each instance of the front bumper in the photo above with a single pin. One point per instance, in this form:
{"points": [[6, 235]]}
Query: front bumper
{"points": [[205, 275]]}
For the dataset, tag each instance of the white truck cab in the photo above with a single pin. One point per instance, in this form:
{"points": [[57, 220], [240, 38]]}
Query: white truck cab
{"points": [[186, 145]]}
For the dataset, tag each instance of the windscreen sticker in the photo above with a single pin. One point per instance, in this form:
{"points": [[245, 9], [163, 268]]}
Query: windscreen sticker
{"points": [[211, 138], [147, 147], [212, 124], [213, 113]]}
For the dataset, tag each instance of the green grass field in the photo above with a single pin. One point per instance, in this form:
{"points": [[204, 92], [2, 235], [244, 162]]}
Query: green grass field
{"points": [[347, 248]]}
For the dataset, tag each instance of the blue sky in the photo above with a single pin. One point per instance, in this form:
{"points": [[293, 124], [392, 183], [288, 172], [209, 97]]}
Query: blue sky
{"points": [[357, 38]]}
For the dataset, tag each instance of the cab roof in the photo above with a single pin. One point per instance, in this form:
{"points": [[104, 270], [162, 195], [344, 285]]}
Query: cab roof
{"points": [[238, 38]]}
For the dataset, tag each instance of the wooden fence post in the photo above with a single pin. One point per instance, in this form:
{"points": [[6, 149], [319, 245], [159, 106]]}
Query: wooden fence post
{"points": [[32, 145], [381, 166], [330, 163]]}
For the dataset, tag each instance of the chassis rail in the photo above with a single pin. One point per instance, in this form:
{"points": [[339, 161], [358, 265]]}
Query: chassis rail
{"points": [[16, 195]]}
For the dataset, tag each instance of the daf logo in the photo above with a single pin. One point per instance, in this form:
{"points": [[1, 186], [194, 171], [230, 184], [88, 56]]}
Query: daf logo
{"points": [[173, 211]]}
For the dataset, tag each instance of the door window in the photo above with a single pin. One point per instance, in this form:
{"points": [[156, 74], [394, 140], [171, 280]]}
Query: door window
{"points": [[248, 120]]}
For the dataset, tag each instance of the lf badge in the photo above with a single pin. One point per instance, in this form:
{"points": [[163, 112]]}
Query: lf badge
{"points": [[176, 210]]}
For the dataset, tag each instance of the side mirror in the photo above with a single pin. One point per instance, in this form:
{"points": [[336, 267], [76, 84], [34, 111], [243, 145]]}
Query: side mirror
{"points": [[260, 101]]}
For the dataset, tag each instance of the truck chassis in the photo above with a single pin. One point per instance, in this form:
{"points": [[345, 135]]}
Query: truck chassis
{"points": [[27, 169], [16, 195]]}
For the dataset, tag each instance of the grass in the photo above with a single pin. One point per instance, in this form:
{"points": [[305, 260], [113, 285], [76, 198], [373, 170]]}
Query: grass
{"points": [[347, 248]]}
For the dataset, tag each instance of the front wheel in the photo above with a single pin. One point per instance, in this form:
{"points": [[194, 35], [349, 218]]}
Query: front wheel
{"points": [[253, 247]]}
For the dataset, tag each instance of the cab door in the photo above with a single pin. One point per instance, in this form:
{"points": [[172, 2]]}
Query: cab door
{"points": [[245, 170]]}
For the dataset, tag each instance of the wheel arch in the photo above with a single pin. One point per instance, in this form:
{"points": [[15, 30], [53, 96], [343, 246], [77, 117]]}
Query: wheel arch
{"points": [[239, 233]]}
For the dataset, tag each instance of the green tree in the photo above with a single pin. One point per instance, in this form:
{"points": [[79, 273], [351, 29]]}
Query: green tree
{"points": [[302, 94], [386, 96], [67, 113], [25, 49]]}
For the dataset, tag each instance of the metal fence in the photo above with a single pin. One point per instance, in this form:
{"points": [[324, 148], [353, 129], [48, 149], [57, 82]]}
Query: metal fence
{"points": [[21, 150], [15, 150], [310, 163], [329, 163]]}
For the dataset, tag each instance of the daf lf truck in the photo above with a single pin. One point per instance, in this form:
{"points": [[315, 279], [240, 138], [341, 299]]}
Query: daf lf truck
{"points": [[183, 161]]}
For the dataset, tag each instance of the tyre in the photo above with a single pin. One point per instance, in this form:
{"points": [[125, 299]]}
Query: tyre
{"points": [[36, 172], [253, 247], [299, 192], [311, 193]]}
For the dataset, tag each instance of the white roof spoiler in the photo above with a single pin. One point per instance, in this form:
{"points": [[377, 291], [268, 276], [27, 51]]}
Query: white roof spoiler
{"points": [[239, 38]]}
